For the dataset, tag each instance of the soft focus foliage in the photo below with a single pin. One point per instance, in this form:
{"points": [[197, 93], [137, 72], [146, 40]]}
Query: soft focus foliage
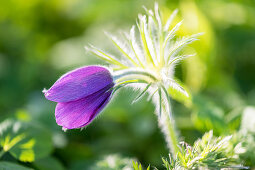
{"points": [[113, 162], [26, 142], [41, 40]]}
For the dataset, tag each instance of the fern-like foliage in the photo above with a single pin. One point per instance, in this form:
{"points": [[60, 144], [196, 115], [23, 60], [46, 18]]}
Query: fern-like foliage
{"points": [[209, 152]]}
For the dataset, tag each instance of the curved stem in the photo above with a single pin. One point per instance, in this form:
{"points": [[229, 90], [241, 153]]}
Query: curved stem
{"points": [[134, 72], [166, 120], [124, 83]]}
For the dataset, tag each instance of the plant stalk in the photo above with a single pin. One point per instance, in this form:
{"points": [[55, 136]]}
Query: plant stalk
{"points": [[166, 121], [167, 126], [133, 72]]}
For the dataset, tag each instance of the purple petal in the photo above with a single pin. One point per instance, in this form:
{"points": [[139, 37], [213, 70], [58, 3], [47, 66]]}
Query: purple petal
{"points": [[76, 114], [79, 83]]}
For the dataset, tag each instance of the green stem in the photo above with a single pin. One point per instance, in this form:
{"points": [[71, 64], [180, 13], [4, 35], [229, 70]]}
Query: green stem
{"points": [[166, 120], [134, 72], [168, 126], [172, 138], [2, 152], [124, 83]]}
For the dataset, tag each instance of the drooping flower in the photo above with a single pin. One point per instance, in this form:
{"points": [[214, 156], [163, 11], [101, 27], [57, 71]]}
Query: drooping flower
{"points": [[148, 62], [81, 94]]}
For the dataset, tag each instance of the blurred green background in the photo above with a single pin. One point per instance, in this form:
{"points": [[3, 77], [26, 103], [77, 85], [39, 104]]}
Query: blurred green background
{"points": [[40, 40]]}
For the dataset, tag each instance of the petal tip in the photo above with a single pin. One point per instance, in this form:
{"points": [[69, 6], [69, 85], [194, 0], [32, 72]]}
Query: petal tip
{"points": [[46, 93], [44, 90]]}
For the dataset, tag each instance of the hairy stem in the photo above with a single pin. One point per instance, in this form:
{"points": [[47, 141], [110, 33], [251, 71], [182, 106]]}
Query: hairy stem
{"points": [[170, 134], [134, 72], [166, 121], [167, 126]]}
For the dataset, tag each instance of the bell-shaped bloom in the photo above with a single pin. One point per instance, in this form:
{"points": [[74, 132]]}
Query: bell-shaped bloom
{"points": [[81, 94]]}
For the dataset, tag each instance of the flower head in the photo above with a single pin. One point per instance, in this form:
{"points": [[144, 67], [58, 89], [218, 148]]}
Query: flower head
{"points": [[81, 94]]}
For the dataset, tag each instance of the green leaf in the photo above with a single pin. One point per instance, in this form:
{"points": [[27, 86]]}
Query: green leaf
{"points": [[135, 165], [180, 44], [141, 27], [179, 58], [207, 153], [133, 45], [170, 20], [104, 56], [138, 166], [121, 48], [171, 34], [180, 94], [165, 163], [12, 166], [142, 93], [212, 152], [25, 141]]}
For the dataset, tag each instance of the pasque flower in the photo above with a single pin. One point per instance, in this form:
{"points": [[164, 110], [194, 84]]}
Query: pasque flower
{"points": [[81, 94], [146, 61]]}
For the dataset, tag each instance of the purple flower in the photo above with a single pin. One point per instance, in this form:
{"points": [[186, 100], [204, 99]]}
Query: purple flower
{"points": [[81, 94]]}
